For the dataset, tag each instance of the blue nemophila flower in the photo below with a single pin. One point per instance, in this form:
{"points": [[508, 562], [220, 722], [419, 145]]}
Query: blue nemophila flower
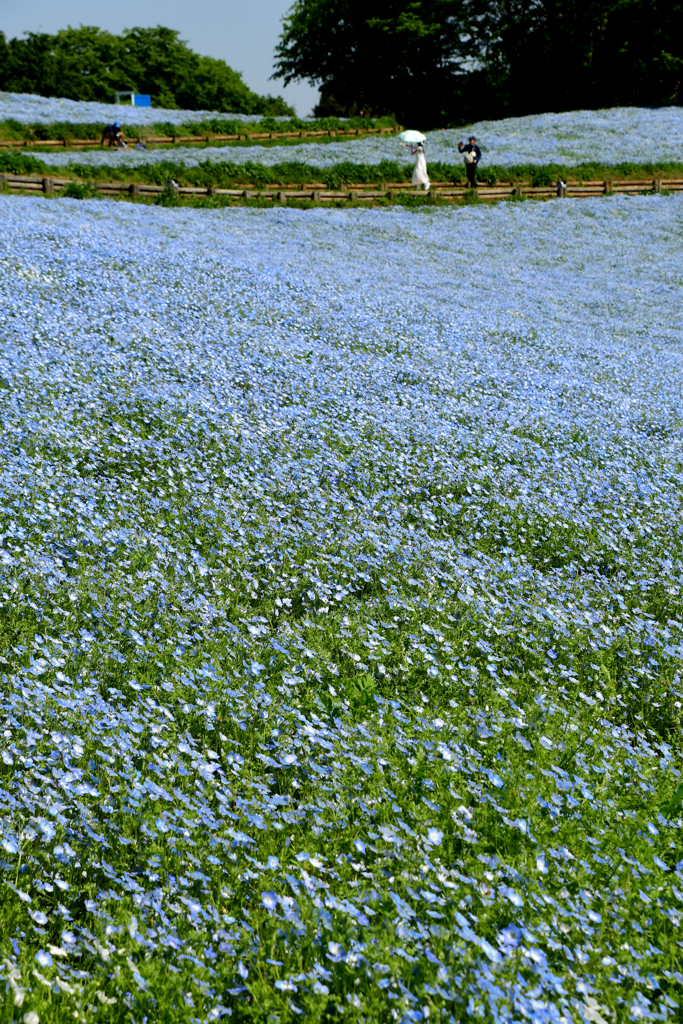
{"points": [[542, 864], [509, 938], [434, 836], [269, 899], [285, 986], [335, 952], [512, 896]]}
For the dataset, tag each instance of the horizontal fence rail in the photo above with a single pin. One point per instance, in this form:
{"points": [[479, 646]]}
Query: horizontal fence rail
{"points": [[184, 140], [318, 192]]}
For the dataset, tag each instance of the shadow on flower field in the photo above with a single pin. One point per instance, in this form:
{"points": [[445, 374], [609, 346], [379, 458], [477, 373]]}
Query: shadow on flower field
{"points": [[341, 613]]}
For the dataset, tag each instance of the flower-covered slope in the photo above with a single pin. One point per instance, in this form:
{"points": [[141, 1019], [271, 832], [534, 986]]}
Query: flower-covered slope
{"points": [[341, 613], [28, 108], [621, 134]]}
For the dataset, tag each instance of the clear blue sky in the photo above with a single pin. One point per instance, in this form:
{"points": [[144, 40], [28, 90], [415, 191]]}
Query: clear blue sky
{"points": [[241, 32]]}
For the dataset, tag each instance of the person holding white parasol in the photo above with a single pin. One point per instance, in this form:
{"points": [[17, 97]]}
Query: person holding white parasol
{"points": [[415, 142]]}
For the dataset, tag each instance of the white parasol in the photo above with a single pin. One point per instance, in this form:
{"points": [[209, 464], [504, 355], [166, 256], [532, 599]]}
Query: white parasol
{"points": [[411, 136]]}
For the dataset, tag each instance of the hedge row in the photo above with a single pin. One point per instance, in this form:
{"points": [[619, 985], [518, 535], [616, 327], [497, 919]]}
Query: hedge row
{"points": [[228, 175], [11, 129]]}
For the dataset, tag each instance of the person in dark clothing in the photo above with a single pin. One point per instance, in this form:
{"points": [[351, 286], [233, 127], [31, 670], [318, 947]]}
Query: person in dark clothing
{"points": [[472, 158], [113, 135]]}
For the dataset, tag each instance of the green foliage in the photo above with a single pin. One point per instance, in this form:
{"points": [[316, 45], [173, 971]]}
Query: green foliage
{"points": [[530, 57], [13, 129], [543, 177], [169, 197], [77, 190], [378, 57], [602, 54], [228, 175], [37, 132], [89, 64], [20, 163]]}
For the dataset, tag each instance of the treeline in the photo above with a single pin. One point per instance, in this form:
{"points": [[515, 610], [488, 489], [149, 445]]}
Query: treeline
{"points": [[89, 64], [441, 62]]}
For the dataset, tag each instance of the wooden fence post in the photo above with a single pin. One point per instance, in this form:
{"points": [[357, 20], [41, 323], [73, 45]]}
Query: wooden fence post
{"points": [[315, 195]]}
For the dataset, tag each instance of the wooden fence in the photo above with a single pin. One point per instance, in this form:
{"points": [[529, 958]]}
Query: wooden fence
{"points": [[319, 193], [184, 140]]}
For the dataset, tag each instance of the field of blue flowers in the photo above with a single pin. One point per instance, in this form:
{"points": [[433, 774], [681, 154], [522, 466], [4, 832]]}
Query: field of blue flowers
{"points": [[621, 134], [28, 108], [341, 606]]}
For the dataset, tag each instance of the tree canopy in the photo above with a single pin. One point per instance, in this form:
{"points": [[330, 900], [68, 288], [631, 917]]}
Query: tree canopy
{"points": [[439, 61], [88, 64], [375, 56]]}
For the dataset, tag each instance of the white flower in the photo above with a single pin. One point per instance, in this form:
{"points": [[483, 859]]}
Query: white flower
{"points": [[542, 864]]}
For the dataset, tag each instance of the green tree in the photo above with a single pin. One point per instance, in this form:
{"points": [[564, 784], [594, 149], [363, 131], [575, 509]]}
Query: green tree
{"points": [[89, 64], [432, 62], [379, 56], [567, 54]]}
